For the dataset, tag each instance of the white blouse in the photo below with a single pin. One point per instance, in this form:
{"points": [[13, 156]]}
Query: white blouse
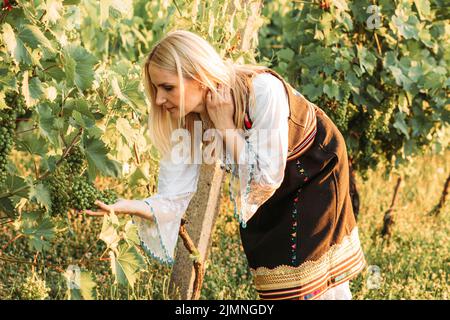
{"points": [[259, 172]]}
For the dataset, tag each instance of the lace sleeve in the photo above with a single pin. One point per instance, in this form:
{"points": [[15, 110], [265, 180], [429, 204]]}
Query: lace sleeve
{"points": [[177, 184]]}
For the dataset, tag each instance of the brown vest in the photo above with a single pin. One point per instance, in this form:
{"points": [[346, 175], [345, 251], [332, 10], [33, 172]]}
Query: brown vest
{"points": [[298, 118]]}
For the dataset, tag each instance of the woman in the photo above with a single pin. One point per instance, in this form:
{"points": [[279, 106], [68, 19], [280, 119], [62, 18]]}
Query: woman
{"points": [[289, 179]]}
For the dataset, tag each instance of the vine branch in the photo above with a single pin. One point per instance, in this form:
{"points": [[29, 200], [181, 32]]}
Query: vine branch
{"points": [[198, 262]]}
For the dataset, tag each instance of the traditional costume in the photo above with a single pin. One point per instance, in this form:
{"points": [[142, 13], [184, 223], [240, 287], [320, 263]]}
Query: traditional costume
{"points": [[291, 194]]}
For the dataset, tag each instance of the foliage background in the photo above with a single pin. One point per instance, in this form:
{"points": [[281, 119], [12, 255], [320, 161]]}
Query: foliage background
{"points": [[77, 65]]}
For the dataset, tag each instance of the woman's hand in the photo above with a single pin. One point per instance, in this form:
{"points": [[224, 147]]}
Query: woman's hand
{"points": [[220, 108], [132, 207]]}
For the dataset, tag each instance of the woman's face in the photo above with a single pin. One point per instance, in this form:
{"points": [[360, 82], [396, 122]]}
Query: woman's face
{"points": [[168, 92]]}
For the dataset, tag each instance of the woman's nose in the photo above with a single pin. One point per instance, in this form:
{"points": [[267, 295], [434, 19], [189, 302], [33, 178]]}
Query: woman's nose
{"points": [[160, 99]]}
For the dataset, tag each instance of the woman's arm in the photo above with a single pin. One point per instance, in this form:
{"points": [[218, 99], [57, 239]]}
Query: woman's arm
{"points": [[158, 217], [133, 207], [261, 155]]}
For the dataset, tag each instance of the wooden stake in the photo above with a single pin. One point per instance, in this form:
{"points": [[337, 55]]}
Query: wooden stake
{"points": [[354, 195], [388, 219], [437, 209]]}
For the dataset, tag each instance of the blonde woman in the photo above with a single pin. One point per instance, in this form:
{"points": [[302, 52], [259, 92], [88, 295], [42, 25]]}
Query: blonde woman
{"points": [[289, 181]]}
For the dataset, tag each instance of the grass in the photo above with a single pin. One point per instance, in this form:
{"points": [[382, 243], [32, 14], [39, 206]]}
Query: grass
{"points": [[413, 263]]}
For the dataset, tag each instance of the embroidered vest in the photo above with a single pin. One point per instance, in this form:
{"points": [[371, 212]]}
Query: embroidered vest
{"points": [[302, 120]]}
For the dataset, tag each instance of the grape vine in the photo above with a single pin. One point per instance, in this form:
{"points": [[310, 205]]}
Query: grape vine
{"points": [[15, 108]]}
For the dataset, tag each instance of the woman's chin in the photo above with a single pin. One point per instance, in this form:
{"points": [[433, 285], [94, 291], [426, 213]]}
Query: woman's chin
{"points": [[174, 114]]}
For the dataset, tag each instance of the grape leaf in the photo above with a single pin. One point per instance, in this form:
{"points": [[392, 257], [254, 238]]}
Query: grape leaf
{"points": [[78, 66], [41, 194], [38, 230], [131, 234], [82, 287], [126, 264], [15, 45], [109, 232], [34, 38], [96, 154]]}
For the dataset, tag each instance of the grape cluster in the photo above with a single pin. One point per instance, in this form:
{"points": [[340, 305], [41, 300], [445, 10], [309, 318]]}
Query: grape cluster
{"points": [[75, 161], [83, 194], [338, 111], [59, 188], [377, 136], [16, 107], [108, 196], [33, 289]]}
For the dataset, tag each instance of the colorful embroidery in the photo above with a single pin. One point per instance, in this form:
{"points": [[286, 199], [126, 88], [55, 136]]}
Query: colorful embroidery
{"points": [[310, 279], [294, 230]]}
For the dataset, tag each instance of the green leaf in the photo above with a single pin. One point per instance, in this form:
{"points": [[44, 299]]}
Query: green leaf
{"points": [[34, 38], [126, 264], [109, 232], [367, 59], [82, 120], [15, 45], [71, 2], [78, 66], [32, 90], [32, 144], [7, 79], [312, 92], [80, 285], [131, 234], [96, 154], [7, 207], [38, 230], [331, 89], [133, 93], [286, 54], [14, 183], [424, 9], [125, 129], [41, 194], [140, 174], [400, 124], [46, 123]]}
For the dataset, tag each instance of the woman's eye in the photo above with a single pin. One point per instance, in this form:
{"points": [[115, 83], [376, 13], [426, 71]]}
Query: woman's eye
{"points": [[168, 88]]}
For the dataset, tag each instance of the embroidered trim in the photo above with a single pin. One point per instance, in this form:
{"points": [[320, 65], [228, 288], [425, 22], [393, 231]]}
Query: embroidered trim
{"points": [[294, 227], [294, 230], [342, 258], [242, 216], [147, 250]]}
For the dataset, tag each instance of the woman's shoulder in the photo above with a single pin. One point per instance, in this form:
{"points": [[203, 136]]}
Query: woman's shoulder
{"points": [[271, 96], [267, 82]]}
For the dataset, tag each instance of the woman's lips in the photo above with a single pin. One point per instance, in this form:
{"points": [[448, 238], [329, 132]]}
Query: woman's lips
{"points": [[170, 108]]}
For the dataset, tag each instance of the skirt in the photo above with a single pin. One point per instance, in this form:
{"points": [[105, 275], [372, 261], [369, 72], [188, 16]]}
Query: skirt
{"points": [[303, 241]]}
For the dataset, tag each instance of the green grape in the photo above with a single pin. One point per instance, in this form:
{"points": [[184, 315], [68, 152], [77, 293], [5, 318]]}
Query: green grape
{"points": [[75, 161], [108, 196], [16, 107], [338, 110], [83, 194], [33, 289], [58, 185]]}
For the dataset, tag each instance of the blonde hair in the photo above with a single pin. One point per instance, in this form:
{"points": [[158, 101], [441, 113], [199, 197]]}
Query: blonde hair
{"points": [[190, 56]]}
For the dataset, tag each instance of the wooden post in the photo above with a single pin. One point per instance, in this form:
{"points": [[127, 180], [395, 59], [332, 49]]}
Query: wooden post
{"points": [[200, 217], [388, 220]]}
